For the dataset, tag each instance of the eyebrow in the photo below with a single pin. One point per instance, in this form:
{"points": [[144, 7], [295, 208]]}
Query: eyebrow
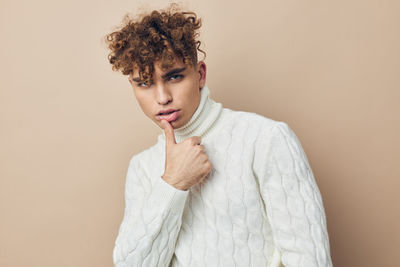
{"points": [[168, 74]]}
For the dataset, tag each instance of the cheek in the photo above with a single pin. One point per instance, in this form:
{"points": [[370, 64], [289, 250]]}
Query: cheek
{"points": [[192, 100], [144, 104]]}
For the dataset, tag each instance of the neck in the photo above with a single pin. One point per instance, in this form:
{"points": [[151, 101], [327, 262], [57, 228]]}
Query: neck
{"points": [[202, 119]]}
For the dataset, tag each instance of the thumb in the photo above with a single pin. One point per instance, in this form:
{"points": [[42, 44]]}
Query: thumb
{"points": [[169, 132]]}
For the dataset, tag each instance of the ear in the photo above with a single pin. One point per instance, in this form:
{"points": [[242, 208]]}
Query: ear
{"points": [[202, 70]]}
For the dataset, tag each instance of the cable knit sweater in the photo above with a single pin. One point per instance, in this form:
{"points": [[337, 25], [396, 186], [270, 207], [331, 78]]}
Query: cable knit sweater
{"points": [[260, 205]]}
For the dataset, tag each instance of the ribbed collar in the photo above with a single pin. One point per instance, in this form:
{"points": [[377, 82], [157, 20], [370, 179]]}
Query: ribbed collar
{"points": [[202, 120]]}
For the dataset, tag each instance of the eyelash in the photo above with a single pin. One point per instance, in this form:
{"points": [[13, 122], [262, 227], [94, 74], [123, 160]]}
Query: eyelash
{"points": [[179, 76]]}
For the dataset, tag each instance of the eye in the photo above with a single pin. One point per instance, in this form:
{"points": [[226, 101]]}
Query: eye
{"points": [[143, 84], [176, 76]]}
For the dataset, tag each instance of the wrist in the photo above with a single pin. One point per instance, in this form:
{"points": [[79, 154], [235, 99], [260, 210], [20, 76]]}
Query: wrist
{"points": [[173, 182]]}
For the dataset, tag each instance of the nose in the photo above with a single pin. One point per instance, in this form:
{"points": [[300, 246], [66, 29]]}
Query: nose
{"points": [[163, 94]]}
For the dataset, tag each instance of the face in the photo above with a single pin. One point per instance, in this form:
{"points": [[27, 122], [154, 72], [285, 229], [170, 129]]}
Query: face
{"points": [[175, 91]]}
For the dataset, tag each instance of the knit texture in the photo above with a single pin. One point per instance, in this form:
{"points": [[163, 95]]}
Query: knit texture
{"points": [[260, 205]]}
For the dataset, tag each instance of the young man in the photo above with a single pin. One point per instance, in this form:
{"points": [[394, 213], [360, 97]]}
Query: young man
{"points": [[220, 187]]}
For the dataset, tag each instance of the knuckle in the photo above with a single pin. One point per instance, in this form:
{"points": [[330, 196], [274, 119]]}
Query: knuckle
{"points": [[197, 139], [193, 140], [197, 149]]}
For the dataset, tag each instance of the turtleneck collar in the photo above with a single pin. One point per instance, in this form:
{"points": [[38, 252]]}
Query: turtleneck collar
{"points": [[202, 120]]}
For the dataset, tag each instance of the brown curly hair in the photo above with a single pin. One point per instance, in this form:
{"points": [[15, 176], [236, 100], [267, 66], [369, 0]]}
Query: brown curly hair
{"points": [[161, 35]]}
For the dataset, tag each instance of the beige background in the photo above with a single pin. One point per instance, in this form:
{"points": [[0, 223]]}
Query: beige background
{"points": [[69, 125]]}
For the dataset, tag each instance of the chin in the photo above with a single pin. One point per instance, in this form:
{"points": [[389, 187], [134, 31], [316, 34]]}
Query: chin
{"points": [[175, 124]]}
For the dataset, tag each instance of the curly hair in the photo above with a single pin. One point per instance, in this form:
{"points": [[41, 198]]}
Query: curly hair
{"points": [[161, 35]]}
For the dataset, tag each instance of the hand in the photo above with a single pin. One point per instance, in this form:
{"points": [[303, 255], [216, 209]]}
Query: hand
{"points": [[186, 163]]}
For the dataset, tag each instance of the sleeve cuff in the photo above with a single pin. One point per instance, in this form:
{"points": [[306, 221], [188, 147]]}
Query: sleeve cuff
{"points": [[168, 196]]}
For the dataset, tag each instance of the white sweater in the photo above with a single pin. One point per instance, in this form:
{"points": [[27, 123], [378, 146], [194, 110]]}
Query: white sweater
{"points": [[260, 205]]}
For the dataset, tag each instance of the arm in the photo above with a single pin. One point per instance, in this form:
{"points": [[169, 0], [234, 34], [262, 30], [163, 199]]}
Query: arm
{"points": [[292, 200], [151, 222]]}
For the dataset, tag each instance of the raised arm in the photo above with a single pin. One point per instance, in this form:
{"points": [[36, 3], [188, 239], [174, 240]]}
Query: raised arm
{"points": [[151, 222], [292, 200]]}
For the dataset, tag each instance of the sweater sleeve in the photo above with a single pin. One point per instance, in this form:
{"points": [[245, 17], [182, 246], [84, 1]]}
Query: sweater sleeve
{"points": [[151, 221], [292, 200]]}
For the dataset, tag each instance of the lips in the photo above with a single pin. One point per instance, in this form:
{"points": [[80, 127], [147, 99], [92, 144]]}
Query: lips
{"points": [[166, 111], [169, 115]]}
